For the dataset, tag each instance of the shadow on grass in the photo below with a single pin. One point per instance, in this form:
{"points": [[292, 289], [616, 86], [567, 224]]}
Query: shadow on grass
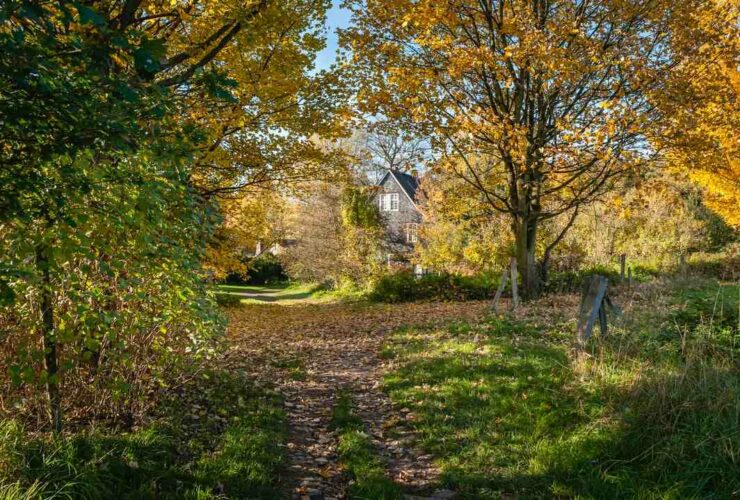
{"points": [[217, 439], [283, 297], [509, 415]]}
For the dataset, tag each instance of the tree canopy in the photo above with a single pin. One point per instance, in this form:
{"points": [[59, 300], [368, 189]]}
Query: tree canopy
{"points": [[540, 106]]}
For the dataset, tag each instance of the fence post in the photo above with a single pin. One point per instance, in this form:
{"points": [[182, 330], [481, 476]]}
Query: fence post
{"points": [[514, 285], [500, 291], [622, 264], [592, 303]]}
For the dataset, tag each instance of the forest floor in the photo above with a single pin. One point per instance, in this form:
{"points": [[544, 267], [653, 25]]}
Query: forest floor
{"points": [[324, 360]]}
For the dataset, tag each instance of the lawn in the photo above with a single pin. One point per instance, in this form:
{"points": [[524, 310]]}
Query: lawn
{"points": [[279, 292], [653, 411]]}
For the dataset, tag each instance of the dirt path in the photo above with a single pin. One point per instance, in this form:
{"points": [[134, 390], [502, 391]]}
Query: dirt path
{"points": [[314, 351]]}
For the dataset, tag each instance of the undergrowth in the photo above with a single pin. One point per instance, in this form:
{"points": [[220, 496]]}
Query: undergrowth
{"points": [[219, 438]]}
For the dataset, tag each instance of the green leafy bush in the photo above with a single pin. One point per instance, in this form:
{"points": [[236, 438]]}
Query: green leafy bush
{"points": [[403, 286], [265, 269]]}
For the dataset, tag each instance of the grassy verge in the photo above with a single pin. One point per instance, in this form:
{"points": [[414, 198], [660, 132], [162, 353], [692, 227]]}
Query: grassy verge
{"points": [[359, 457], [219, 438], [231, 295], [654, 412]]}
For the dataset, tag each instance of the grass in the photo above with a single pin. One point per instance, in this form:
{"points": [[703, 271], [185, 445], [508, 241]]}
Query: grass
{"points": [[219, 439], [287, 292], [654, 412], [358, 456]]}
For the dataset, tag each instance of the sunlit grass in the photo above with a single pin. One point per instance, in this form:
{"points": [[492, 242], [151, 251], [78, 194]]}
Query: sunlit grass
{"points": [[507, 409], [359, 457]]}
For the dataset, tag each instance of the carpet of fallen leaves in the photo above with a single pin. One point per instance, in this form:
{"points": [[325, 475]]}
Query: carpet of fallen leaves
{"points": [[312, 352]]}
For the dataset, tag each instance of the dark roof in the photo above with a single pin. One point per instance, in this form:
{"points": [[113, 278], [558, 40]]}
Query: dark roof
{"points": [[408, 183]]}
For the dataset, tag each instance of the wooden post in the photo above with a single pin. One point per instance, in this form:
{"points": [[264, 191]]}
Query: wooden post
{"points": [[682, 264], [629, 277], [592, 298], [602, 320], [501, 287], [622, 263], [514, 285]]}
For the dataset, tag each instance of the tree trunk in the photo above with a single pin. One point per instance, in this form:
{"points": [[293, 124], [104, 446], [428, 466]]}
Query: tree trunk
{"points": [[47, 337], [525, 234]]}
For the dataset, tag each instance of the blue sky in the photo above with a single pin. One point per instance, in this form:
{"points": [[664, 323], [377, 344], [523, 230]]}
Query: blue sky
{"points": [[337, 17]]}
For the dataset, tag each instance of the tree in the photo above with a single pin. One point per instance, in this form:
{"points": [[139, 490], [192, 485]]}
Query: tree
{"points": [[458, 234], [541, 106], [701, 101], [103, 107]]}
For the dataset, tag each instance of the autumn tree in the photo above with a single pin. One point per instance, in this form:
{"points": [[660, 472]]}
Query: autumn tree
{"points": [[701, 100], [540, 106], [111, 113]]}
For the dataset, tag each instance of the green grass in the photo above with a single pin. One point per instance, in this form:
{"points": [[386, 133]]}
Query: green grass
{"points": [[653, 413], [359, 457], [283, 293], [220, 439]]}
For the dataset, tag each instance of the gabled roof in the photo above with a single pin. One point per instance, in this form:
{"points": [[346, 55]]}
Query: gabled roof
{"points": [[408, 183]]}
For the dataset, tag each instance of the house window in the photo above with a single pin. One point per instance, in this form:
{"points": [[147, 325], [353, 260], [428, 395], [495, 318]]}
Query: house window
{"points": [[388, 202], [412, 233]]}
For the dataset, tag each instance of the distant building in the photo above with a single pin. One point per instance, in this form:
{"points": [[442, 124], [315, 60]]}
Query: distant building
{"points": [[276, 248], [397, 197]]}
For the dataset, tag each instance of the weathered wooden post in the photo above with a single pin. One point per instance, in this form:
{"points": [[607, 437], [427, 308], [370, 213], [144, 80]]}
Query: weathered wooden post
{"points": [[629, 278], [501, 287], [594, 302], [622, 264], [514, 285], [508, 271]]}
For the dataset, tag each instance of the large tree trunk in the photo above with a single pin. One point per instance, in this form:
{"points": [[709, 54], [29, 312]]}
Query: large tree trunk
{"points": [[47, 338], [525, 235]]}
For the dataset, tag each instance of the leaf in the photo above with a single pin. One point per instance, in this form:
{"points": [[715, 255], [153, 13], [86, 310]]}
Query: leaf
{"points": [[89, 15]]}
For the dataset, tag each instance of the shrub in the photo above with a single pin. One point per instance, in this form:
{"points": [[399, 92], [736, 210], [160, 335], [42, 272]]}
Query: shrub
{"points": [[265, 269], [228, 300], [403, 286]]}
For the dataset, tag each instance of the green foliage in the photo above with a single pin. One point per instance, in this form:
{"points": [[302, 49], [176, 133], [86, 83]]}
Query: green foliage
{"points": [[362, 236], [265, 269], [228, 300], [651, 414], [221, 438], [403, 286], [358, 456], [98, 217], [358, 208]]}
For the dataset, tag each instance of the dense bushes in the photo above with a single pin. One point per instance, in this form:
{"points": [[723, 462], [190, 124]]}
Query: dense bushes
{"points": [[405, 287], [265, 269]]}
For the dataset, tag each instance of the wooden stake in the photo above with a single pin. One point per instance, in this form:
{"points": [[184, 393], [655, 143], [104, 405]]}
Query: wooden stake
{"points": [[594, 291], [514, 285], [500, 291]]}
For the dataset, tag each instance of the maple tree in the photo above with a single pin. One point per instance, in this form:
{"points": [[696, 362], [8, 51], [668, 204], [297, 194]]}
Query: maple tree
{"points": [[540, 106]]}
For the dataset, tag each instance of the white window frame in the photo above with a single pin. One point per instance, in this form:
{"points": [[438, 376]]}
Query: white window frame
{"points": [[388, 202], [412, 232]]}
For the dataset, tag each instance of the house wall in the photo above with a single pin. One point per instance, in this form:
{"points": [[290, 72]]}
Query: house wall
{"points": [[395, 222]]}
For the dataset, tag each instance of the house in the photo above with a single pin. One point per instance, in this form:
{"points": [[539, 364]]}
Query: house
{"points": [[276, 248], [397, 200]]}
